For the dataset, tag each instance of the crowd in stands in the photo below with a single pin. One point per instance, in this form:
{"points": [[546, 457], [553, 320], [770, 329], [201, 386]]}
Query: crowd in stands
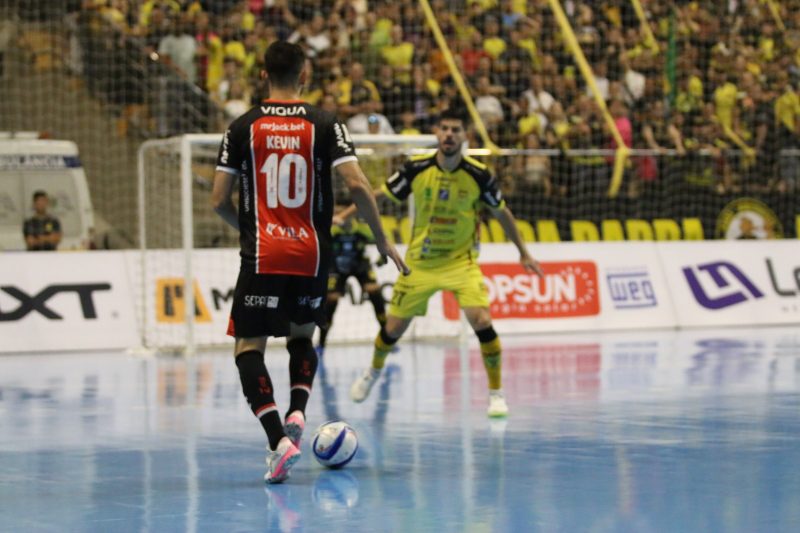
{"points": [[719, 76]]}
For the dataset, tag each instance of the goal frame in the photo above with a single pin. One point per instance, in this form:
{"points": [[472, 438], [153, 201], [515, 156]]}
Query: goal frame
{"points": [[184, 145]]}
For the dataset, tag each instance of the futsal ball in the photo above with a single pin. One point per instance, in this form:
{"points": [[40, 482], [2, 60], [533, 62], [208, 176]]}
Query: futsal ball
{"points": [[334, 444]]}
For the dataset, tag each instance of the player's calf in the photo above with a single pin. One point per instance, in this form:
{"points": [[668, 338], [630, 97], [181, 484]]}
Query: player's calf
{"points": [[257, 388], [302, 369]]}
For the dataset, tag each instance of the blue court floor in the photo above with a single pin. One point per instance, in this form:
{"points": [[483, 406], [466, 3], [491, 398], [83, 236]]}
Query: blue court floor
{"points": [[636, 432]]}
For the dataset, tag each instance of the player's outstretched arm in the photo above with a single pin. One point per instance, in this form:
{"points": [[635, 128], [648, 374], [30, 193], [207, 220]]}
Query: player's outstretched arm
{"points": [[351, 210], [221, 197], [364, 199], [509, 223]]}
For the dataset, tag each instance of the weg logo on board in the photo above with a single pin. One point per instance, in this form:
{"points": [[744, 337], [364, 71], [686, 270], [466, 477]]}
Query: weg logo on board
{"points": [[568, 289], [631, 289], [725, 285], [28, 303], [171, 306]]}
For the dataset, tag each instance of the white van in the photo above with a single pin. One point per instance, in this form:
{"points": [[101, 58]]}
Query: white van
{"points": [[28, 165]]}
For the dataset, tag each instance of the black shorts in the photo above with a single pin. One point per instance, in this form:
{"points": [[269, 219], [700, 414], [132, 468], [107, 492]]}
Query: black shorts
{"points": [[337, 281], [264, 305]]}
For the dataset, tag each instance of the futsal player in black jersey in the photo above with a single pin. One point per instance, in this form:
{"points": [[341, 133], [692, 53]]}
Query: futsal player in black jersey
{"points": [[282, 153]]}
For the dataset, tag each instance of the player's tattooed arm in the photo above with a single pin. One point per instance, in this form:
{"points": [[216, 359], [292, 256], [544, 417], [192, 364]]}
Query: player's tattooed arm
{"points": [[350, 211], [221, 198], [364, 200], [506, 218]]}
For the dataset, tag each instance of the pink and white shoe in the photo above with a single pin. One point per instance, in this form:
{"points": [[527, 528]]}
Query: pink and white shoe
{"points": [[280, 461], [293, 426]]}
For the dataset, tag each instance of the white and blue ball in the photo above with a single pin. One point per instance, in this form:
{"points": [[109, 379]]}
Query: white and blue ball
{"points": [[334, 444]]}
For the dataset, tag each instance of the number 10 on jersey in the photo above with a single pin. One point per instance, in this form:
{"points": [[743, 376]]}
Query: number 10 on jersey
{"points": [[284, 187]]}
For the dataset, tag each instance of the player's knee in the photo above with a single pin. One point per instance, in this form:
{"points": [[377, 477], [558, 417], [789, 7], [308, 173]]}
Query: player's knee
{"points": [[388, 336], [486, 334], [300, 346], [333, 297]]}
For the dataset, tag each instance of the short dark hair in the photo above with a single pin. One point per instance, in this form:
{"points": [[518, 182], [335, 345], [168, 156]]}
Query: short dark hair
{"points": [[284, 61], [38, 194], [455, 112]]}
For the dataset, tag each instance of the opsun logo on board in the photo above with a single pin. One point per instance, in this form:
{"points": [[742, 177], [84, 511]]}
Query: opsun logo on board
{"points": [[567, 289]]}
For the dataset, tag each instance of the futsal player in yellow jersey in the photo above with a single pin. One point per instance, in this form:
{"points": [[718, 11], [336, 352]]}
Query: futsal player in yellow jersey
{"points": [[449, 190]]}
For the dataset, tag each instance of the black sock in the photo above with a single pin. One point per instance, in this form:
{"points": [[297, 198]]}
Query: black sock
{"points": [[302, 368], [257, 388], [330, 309], [379, 304]]}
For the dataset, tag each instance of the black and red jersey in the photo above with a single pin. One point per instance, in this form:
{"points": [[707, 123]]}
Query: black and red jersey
{"points": [[284, 153]]}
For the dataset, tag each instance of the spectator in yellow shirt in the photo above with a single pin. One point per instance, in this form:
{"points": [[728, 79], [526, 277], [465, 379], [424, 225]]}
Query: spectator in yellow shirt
{"points": [[209, 53], [725, 97], [399, 54], [493, 44]]}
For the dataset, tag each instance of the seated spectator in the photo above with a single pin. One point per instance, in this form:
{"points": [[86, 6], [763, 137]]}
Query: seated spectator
{"points": [[279, 16], [470, 50], [232, 71], [533, 170], [489, 107], [658, 131], [422, 95], [601, 80], [157, 27], [409, 124], [634, 81], [493, 43], [313, 37], [510, 14], [328, 103], [374, 123], [172, 7], [209, 53], [42, 231], [395, 97], [528, 122], [238, 101], [690, 95], [357, 94], [178, 48], [399, 54], [539, 100], [312, 91]]}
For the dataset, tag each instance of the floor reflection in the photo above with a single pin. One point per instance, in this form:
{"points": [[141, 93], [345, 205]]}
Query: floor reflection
{"points": [[648, 431]]}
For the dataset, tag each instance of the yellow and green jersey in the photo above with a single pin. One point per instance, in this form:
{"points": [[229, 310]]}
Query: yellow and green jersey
{"points": [[446, 207]]}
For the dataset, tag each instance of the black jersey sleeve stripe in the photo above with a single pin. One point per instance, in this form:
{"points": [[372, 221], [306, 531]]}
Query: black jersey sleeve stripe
{"points": [[227, 170], [343, 159]]}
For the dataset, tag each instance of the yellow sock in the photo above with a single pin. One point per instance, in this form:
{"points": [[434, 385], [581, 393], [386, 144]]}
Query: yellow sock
{"points": [[491, 362], [381, 351]]}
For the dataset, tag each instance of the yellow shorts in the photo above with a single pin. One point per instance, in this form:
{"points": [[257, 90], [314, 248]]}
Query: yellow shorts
{"points": [[411, 293]]}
